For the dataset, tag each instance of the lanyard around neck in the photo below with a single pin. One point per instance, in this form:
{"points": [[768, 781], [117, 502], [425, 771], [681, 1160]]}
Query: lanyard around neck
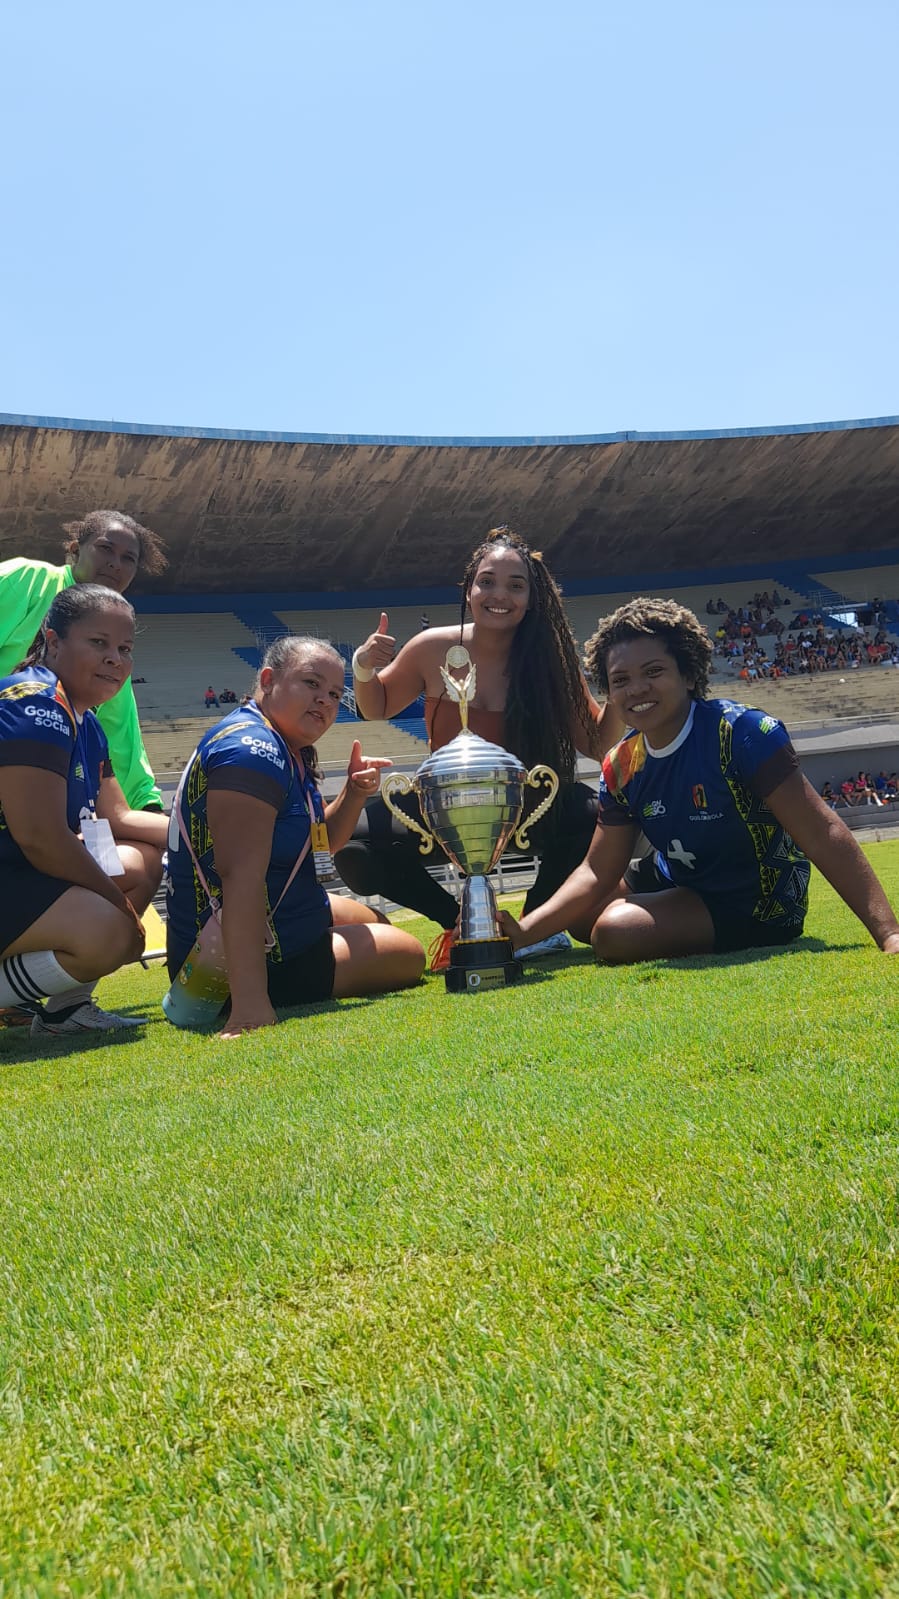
{"points": [[81, 751]]}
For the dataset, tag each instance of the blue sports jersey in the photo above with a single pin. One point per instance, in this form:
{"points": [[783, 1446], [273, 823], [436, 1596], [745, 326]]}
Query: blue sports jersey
{"points": [[245, 754], [701, 804], [39, 728]]}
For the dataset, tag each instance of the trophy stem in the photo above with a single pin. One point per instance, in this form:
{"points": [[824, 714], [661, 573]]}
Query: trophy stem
{"points": [[481, 956], [478, 918]]}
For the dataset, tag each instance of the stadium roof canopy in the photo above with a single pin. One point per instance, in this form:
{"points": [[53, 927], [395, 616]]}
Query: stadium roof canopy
{"points": [[257, 512]]}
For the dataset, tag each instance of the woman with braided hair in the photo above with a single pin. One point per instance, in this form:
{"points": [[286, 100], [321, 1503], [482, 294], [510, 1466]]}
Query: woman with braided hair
{"points": [[531, 698]]}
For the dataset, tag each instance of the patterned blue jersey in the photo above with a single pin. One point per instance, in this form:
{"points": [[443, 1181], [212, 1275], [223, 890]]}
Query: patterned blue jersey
{"points": [[39, 728], [701, 804], [245, 753]]}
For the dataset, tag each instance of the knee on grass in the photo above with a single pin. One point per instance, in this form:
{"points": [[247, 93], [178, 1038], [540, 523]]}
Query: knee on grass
{"points": [[407, 958], [613, 936]]}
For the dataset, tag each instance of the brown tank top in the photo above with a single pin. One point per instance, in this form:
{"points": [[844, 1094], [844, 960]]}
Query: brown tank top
{"points": [[443, 722]]}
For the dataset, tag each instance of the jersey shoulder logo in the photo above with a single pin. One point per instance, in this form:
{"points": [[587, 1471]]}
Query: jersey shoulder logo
{"points": [[21, 691], [624, 762]]}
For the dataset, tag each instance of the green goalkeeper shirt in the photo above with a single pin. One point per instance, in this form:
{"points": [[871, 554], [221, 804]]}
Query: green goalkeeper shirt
{"points": [[27, 590]]}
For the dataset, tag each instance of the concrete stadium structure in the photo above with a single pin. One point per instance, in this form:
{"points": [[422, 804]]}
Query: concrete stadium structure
{"points": [[255, 513]]}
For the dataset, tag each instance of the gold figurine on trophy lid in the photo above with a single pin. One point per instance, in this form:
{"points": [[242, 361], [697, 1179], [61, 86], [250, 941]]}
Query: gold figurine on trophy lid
{"points": [[463, 692]]}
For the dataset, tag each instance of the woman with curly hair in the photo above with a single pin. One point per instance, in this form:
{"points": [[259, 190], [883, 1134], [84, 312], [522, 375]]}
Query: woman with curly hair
{"points": [[531, 698], [105, 547], [718, 791]]}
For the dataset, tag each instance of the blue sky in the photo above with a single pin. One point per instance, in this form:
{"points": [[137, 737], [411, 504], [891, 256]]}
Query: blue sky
{"points": [[487, 219]]}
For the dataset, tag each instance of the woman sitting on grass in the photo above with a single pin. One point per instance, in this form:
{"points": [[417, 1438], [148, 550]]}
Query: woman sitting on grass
{"points": [[531, 698], [64, 922], [105, 547], [718, 791], [249, 803]]}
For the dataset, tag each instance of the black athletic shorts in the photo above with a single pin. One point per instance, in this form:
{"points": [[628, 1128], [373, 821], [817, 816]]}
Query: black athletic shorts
{"points": [[303, 979], [734, 929], [25, 894]]}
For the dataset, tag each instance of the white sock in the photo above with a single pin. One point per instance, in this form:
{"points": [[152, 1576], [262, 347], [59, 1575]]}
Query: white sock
{"points": [[76, 995], [27, 978]]}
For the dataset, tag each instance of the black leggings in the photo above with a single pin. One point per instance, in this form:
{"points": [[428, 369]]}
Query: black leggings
{"points": [[383, 857]]}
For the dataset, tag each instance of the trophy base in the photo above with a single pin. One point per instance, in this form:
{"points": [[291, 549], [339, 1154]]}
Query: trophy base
{"points": [[481, 963]]}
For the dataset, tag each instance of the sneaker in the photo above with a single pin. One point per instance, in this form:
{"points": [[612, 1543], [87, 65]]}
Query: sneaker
{"points": [[439, 950], [556, 945], [86, 1018], [18, 1015]]}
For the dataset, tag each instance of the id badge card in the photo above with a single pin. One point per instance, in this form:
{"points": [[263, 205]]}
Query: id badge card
{"points": [[321, 853], [100, 844]]}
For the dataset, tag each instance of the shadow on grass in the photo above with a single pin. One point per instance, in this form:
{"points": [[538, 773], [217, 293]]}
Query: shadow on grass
{"points": [[746, 957], [429, 980], [17, 1045]]}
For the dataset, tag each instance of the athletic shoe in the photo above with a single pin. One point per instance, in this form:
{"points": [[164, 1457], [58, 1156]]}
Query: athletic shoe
{"points": [[439, 950], [86, 1018], [18, 1015], [556, 945]]}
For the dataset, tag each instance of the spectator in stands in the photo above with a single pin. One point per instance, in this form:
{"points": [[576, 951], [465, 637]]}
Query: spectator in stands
{"points": [[719, 793], [531, 698], [227, 697], [105, 547], [828, 795], [69, 899], [250, 795], [210, 698]]}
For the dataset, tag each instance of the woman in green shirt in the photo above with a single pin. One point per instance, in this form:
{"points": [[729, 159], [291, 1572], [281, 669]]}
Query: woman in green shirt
{"points": [[105, 547]]}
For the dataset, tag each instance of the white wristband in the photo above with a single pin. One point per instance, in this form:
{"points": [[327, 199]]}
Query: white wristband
{"points": [[363, 673]]}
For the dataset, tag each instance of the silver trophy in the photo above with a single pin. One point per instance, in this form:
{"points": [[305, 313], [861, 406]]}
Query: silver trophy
{"points": [[471, 795]]}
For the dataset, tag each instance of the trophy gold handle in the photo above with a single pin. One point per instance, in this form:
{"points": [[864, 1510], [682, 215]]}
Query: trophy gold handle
{"points": [[396, 783], [536, 776]]}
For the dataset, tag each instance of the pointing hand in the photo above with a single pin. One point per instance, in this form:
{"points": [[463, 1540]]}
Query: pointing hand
{"points": [[364, 771]]}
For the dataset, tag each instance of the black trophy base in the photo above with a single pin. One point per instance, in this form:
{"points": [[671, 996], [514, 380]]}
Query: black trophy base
{"points": [[481, 963]]}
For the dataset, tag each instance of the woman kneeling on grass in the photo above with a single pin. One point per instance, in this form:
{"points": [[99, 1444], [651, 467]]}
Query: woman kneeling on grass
{"points": [[718, 792], [64, 922], [250, 806], [531, 698]]}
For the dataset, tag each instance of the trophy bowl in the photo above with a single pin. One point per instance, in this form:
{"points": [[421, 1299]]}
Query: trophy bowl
{"points": [[472, 796]]}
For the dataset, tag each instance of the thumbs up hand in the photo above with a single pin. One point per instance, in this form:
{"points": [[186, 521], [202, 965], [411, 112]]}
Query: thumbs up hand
{"points": [[379, 648], [364, 771]]}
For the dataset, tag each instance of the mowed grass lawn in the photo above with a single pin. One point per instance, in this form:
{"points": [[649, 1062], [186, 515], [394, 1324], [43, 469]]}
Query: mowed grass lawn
{"points": [[588, 1287]]}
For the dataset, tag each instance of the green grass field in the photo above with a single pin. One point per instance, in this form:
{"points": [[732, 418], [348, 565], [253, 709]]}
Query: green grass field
{"points": [[586, 1288]]}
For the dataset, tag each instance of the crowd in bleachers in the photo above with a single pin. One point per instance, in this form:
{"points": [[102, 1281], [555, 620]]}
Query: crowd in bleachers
{"points": [[758, 643], [863, 789]]}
